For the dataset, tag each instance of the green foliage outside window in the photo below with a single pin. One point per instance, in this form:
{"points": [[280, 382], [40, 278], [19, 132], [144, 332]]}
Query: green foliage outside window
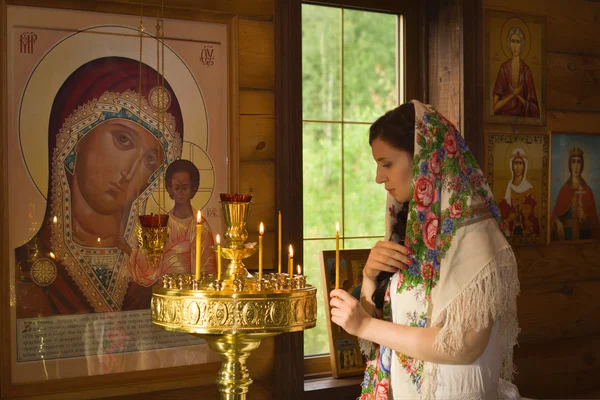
{"points": [[347, 84]]}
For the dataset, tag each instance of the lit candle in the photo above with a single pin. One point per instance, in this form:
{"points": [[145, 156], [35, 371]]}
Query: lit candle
{"points": [[337, 255], [299, 270], [54, 220], [291, 262], [279, 243], [99, 242], [261, 231], [198, 243], [218, 257]]}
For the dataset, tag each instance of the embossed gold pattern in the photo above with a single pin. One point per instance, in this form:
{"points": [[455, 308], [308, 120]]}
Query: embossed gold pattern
{"points": [[236, 313], [43, 271], [153, 240], [211, 313]]}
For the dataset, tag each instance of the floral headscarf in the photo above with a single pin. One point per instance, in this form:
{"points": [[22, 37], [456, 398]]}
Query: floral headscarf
{"points": [[449, 192]]}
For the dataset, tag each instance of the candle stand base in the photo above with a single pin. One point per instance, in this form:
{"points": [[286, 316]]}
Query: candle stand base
{"points": [[234, 378]]}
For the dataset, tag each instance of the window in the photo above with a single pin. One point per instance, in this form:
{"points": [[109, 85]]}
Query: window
{"points": [[352, 72]]}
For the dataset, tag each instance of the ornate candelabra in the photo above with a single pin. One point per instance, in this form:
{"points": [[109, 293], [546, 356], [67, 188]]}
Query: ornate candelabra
{"points": [[235, 313]]}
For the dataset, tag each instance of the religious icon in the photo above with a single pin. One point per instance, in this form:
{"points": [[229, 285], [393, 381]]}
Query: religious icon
{"points": [[103, 168], [94, 126], [346, 359], [517, 171], [574, 187], [348, 354], [515, 60]]}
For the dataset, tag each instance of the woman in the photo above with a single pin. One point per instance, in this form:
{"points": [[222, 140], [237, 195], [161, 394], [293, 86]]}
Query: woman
{"points": [[105, 164], [179, 256], [514, 91], [448, 313], [519, 193], [574, 216]]}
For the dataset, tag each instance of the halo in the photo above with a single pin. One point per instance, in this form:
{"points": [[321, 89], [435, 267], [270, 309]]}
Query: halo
{"points": [[508, 24], [77, 49], [206, 188]]}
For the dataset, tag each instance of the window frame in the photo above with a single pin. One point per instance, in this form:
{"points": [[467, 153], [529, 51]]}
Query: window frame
{"points": [[290, 363]]}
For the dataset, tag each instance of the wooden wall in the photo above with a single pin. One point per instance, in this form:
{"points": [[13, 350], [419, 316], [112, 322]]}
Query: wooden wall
{"points": [[559, 351]]}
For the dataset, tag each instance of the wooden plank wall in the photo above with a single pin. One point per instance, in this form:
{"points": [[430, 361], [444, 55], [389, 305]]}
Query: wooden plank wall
{"points": [[559, 351]]}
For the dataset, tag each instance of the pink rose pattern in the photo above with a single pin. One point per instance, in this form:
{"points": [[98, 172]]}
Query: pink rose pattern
{"points": [[456, 210], [430, 229], [382, 390], [450, 144], [452, 170], [434, 164], [425, 193]]}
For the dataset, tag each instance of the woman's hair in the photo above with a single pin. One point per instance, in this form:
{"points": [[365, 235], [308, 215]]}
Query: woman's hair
{"points": [[396, 128], [383, 279], [183, 166]]}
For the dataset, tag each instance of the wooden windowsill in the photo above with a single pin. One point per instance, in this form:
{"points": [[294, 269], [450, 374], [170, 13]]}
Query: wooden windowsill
{"points": [[328, 388]]}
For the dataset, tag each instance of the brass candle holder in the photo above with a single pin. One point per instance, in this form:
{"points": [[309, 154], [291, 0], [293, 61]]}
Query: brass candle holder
{"points": [[234, 314]]}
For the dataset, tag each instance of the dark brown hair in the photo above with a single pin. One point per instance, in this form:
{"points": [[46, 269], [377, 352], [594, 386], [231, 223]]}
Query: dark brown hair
{"points": [[396, 128]]}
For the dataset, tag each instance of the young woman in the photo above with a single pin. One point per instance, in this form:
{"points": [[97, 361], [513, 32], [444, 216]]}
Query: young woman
{"points": [[437, 316]]}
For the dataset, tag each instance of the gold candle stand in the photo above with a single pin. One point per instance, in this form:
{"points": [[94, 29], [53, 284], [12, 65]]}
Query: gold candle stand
{"points": [[236, 313]]}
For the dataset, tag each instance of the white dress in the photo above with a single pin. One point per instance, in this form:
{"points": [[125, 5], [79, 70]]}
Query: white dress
{"points": [[476, 381]]}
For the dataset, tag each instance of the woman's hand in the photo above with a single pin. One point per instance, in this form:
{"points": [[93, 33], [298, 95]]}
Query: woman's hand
{"points": [[386, 256], [347, 312]]}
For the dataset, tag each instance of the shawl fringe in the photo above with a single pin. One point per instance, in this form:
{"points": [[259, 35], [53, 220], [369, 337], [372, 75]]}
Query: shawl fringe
{"points": [[491, 296]]}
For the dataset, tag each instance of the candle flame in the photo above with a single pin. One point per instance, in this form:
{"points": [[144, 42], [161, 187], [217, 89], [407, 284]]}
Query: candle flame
{"points": [[52, 254], [99, 241], [291, 251], [218, 239], [261, 230], [199, 217], [54, 220], [337, 227], [299, 270]]}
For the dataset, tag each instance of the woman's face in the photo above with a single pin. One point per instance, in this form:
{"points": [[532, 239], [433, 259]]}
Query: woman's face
{"points": [[113, 164], [180, 188], [515, 45], [394, 169], [576, 166], [518, 166]]}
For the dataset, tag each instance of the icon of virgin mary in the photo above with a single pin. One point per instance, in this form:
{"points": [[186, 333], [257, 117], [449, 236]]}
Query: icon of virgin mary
{"points": [[108, 146]]}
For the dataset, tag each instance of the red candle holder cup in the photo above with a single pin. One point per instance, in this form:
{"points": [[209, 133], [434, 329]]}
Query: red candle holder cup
{"points": [[153, 234], [154, 220], [236, 197]]}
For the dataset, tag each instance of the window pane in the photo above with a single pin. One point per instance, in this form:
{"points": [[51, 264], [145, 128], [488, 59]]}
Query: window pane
{"points": [[316, 340], [366, 243], [322, 178], [321, 66], [369, 81], [364, 199]]}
